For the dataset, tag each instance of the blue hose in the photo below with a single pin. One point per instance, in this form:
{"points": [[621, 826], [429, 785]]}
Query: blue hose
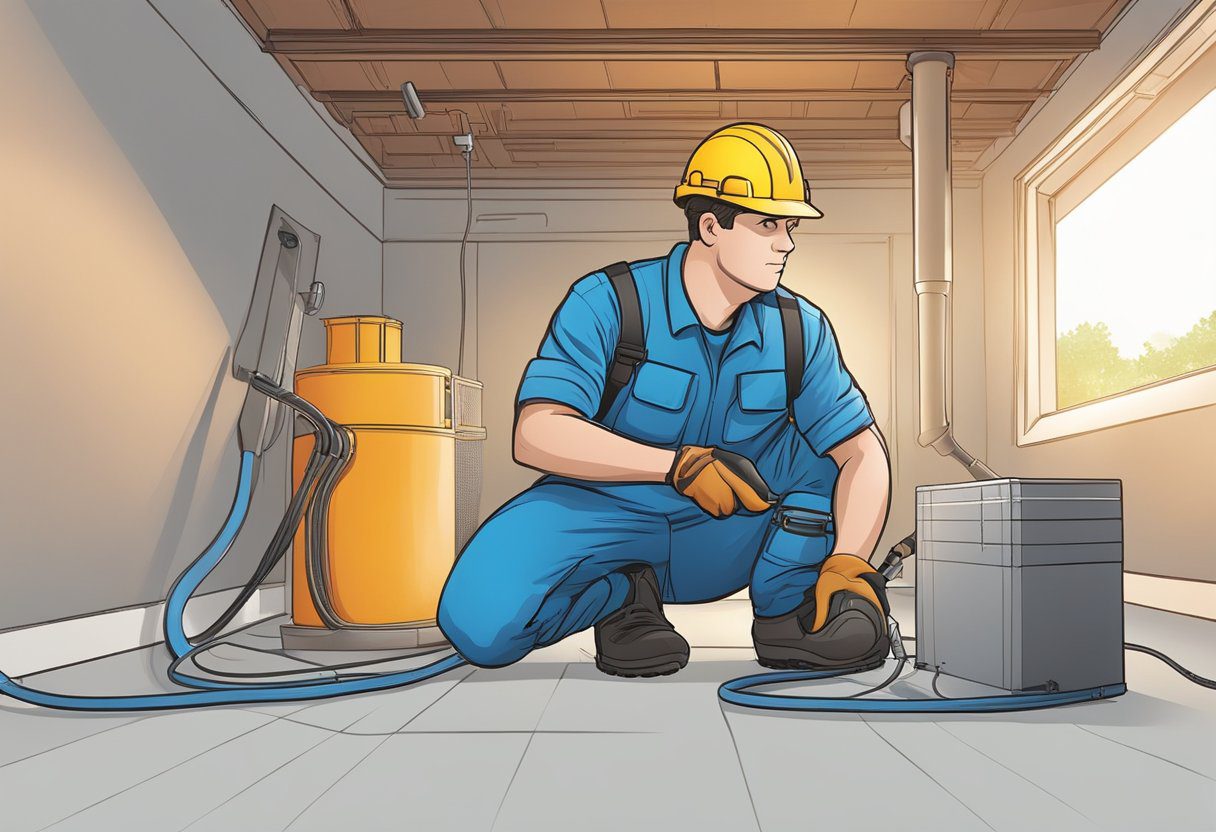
{"points": [[738, 692], [216, 692]]}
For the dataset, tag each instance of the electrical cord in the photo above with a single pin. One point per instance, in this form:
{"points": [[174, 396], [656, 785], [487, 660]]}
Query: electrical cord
{"points": [[211, 692], [937, 672], [468, 224], [1157, 654], [278, 545], [899, 668], [740, 692]]}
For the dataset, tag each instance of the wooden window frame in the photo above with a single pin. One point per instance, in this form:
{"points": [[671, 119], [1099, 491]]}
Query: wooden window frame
{"points": [[1130, 115]]}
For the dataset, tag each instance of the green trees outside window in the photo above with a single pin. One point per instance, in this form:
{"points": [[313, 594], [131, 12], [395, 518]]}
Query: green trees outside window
{"points": [[1088, 365]]}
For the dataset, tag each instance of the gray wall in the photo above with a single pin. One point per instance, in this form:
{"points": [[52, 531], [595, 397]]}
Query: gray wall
{"points": [[528, 246], [1165, 462], [136, 192]]}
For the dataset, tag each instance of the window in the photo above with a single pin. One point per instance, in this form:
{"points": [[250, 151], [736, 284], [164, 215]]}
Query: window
{"points": [[1136, 268], [1117, 280]]}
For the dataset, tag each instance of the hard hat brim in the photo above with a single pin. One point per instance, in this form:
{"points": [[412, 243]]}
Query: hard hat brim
{"points": [[768, 207], [778, 207]]}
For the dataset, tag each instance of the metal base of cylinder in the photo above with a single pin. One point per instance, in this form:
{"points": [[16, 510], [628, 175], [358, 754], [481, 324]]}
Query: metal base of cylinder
{"points": [[405, 639]]}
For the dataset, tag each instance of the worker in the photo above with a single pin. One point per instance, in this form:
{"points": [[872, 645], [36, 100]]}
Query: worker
{"points": [[685, 467]]}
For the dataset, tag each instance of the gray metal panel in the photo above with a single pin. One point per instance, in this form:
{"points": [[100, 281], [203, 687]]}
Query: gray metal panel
{"points": [[1020, 488], [926, 655], [1032, 532], [1066, 489], [1070, 623], [1008, 554], [970, 623], [1026, 509]]}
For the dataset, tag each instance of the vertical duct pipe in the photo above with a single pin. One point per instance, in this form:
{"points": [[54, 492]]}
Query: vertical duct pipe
{"points": [[933, 250]]}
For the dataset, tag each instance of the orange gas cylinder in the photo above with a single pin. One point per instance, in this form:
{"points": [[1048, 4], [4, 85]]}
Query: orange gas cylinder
{"points": [[399, 514]]}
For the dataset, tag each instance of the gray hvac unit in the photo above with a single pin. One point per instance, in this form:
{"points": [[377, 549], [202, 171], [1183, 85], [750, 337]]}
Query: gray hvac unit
{"points": [[1019, 582]]}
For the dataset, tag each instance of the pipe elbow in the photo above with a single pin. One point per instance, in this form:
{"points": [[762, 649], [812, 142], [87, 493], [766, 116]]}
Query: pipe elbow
{"points": [[931, 435]]}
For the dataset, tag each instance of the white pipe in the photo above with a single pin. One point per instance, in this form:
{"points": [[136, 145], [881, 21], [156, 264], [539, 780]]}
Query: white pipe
{"points": [[933, 249]]}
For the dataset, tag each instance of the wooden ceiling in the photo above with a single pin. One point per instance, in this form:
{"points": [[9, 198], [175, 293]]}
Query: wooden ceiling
{"points": [[623, 90]]}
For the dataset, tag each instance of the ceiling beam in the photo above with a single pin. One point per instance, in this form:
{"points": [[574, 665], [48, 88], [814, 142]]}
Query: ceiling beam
{"points": [[676, 44], [382, 97], [828, 133]]}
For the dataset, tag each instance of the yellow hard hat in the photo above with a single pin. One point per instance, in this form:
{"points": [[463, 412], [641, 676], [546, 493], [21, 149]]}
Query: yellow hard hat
{"points": [[751, 166]]}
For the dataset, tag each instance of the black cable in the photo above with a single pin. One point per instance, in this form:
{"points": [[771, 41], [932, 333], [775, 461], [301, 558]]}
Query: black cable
{"points": [[899, 667], [291, 519], [275, 550], [1157, 654], [1191, 676], [936, 673], [468, 224], [316, 667], [317, 532], [332, 440]]}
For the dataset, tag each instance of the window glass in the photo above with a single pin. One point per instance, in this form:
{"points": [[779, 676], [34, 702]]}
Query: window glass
{"points": [[1136, 268]]}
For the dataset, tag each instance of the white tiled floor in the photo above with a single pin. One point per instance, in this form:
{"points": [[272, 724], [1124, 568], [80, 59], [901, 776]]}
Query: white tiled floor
{"points": [[550, 743]]}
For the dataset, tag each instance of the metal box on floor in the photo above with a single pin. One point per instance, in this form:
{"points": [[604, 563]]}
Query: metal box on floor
{"points": [[1019, 582]]}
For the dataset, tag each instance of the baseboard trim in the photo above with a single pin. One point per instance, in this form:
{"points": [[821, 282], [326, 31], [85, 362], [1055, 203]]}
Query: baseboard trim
{"points": [[42, 647], [1194, 598]]}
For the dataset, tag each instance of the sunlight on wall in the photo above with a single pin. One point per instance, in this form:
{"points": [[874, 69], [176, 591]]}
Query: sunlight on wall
{"points": [[110, 340]]}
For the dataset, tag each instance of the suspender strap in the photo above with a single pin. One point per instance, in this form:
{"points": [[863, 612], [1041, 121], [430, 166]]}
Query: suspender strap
{"points": [[791, 328], [631, 346]]}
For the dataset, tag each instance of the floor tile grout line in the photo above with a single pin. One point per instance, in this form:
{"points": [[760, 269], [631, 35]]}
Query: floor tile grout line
{"points": [[1017, 773], [171, 713], [78, 739], [270, 773], [178, 764], [518, 765], [899, 751], [742, 770], [441, 731], [277, 768], [1149, 753], [272, 719], [373, 750]]}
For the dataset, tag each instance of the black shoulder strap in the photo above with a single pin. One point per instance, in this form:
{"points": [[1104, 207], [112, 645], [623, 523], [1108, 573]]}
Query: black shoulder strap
{"points": [[631, 346], [791, 328]]}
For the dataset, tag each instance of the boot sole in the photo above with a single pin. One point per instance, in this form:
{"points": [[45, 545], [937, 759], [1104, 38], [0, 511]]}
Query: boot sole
{"points": [[652, 667], [799, 664]]}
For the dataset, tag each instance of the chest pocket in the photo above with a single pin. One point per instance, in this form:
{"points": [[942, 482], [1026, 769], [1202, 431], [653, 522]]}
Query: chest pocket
{"points": [[657, 407], [759, 405]]}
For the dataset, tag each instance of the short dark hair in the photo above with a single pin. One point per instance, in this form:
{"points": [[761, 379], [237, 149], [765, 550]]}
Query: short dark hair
{"points": [[695, 206]]}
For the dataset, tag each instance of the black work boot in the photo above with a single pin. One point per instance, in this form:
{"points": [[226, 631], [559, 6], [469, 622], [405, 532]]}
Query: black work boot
{"points": [[854, 635], [637, 640]]}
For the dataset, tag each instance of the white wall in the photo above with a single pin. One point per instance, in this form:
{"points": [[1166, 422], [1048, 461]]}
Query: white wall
{"points": [[1165, 462], [136, 191], [529, 246]]}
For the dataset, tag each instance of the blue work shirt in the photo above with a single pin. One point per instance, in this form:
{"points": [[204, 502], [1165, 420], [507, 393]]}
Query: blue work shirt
{"points": [[682, 394]]}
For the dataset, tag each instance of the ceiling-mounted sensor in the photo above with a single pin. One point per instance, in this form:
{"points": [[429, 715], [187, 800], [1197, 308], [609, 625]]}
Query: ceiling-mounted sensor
{"points": [[413, 104]]}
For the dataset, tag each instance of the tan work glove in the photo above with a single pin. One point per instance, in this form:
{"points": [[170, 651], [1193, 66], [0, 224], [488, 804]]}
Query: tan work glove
{"points": [[845, 572], [719, 481]]}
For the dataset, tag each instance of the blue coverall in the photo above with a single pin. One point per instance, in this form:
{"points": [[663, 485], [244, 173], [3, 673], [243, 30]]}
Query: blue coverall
{"points": [[545, 564]]}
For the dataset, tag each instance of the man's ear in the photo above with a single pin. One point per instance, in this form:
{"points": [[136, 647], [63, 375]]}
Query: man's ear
{"points": [[708, 225]]}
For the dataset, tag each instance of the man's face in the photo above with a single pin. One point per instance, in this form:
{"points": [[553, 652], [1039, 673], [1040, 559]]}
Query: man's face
{"points": [[753, 251]]}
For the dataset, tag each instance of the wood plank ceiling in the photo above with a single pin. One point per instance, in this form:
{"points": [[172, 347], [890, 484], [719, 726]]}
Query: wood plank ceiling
{"points": [[623, 90]]}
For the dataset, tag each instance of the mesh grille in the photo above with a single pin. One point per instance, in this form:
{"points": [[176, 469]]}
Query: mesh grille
{"points": [[468, 404], [468, 489]]}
